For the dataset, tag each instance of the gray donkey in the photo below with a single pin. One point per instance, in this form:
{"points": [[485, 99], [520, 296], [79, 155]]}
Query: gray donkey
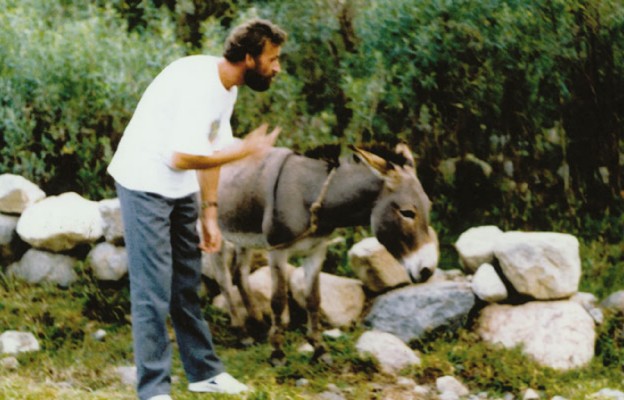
{"points": [[290, 204]]}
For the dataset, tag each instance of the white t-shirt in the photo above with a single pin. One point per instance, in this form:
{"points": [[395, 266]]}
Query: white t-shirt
{"points": [[185, 109]]}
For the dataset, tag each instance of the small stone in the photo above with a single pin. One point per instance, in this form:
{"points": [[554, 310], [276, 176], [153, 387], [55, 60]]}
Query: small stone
{"points": [[9, 363], [333, 333], [302, 382], [99, 335]]}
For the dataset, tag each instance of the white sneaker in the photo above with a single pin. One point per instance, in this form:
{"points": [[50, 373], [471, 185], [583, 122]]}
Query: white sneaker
{"points": [[161, 397], [222, 383]]}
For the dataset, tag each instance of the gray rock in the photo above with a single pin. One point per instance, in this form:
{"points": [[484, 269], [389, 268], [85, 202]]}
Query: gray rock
{"points": [[37, 266], [614, 302], [413, 311], [108, 262]]}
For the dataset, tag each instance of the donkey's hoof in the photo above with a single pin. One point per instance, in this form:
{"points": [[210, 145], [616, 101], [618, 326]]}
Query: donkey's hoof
{"points": [[257, 329], [319, 351], [278, 358]]}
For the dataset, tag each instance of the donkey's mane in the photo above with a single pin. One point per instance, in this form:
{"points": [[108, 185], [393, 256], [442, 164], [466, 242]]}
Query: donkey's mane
{"points": [[330, 153]]}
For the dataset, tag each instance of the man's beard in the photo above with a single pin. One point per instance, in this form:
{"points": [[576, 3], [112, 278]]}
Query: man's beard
{"points": [[256, 81]]}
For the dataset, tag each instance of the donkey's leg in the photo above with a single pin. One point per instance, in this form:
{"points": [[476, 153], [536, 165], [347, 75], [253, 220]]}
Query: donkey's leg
{"points": [[312, 268], [278, 263], [254, 323], [224, 269]]}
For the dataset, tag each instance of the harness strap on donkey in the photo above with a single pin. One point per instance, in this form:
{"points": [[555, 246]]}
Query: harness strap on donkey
{"points": [[314, 208]]}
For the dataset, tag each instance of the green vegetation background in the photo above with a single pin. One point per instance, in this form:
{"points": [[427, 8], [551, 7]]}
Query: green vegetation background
{"points": [[536, 85], [535, 88]]}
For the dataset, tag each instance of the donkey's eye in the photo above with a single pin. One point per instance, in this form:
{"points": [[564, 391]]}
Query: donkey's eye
{"points": [[406, 213]]}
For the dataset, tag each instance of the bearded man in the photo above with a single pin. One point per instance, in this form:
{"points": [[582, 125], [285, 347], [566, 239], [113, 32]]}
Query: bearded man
{"points": [[169, 156]]}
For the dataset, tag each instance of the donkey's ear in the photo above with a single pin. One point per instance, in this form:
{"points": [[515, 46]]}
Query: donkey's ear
{"points": [[377, 164], [404, 150]]}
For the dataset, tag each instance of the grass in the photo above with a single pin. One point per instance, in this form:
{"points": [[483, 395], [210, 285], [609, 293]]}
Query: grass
{"points": [[74, 365]]}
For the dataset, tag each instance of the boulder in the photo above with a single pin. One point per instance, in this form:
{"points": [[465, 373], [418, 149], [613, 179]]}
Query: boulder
{"points": [[376, 267], [17, 193], [342, 299], [476, 246], [413, 311], [38, 266], [108, 262], [556, 334], [391, 352], [112, 224], [60, 223], [543, 265], [487, 285]]}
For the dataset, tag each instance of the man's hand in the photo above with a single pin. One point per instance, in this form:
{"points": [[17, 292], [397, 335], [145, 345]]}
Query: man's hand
{"points": [[258, 141], [211, 234]]}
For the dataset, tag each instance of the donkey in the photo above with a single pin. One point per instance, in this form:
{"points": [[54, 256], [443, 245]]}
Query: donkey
{"points": [[290, 204]]}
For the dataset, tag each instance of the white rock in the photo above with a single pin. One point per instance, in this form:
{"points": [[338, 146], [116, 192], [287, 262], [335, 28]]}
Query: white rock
{"points": [[99, 335], [8, 223], [450, 384], [530, 394], [544, 265], [342, 299], [17, 193], [13, 342], [9, 363], [127, 375], [305, 348], [476, 246], [375, 266], [333, 333], [615, 301], [557, 334], [59, 223], [109, 263], [110, 209], [608, 394], [391, 352], [487, 285]]}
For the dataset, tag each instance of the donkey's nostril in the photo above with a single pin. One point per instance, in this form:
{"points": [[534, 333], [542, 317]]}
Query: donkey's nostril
{"points": [[425, 274]]}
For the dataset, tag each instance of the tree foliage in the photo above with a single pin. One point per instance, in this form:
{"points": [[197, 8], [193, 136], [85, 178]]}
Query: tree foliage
{"points": [[522, 100]]}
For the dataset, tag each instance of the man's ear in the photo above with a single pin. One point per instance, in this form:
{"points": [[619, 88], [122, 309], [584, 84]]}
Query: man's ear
{"points": [[250, 61]]}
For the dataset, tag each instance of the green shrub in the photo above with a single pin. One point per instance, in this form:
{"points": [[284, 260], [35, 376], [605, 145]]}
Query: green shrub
{"points": [[71, 77]]}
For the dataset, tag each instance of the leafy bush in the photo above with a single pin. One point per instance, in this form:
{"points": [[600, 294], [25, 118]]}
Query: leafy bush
{"points": [[71, 77]]}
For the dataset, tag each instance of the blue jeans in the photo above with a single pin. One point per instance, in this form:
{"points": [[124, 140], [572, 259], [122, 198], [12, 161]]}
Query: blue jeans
{"points": [[165, 274]]}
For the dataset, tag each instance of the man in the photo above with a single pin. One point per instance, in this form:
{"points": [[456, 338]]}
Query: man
{"points": [[171, 150]]}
